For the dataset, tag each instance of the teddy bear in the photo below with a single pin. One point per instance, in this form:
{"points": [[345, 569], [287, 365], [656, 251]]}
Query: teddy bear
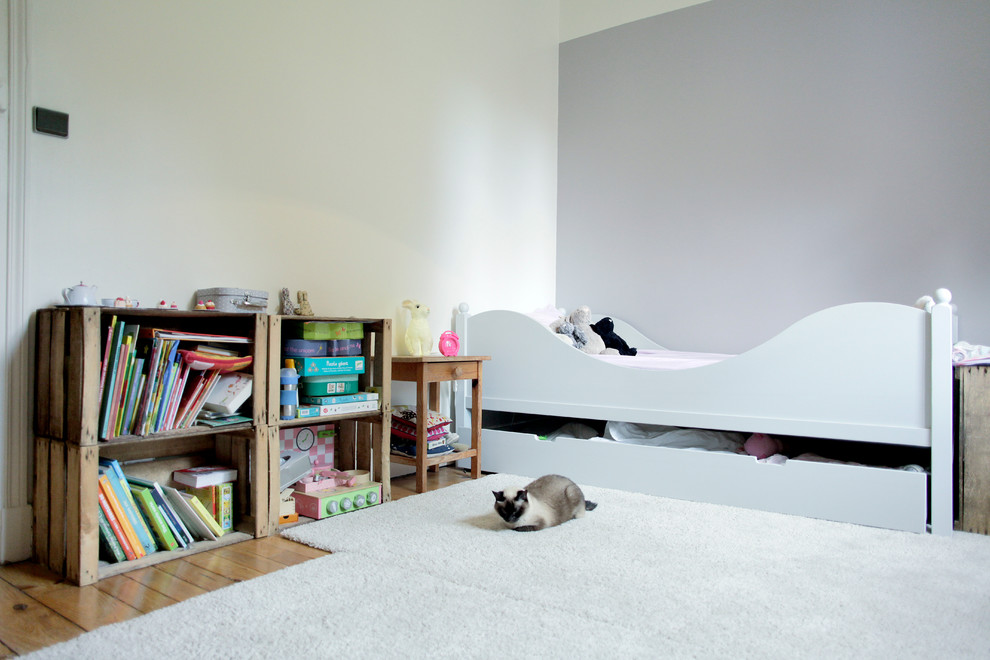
{"points": [[566, 329], [595, 345], [605, 328]]}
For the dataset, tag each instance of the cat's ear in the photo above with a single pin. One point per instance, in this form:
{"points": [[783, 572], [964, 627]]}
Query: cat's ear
{"points": [[499, 495], [521, 495]]}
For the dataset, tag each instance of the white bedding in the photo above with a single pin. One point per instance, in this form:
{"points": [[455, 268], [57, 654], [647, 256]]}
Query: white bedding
{"points": [[664, 360]]}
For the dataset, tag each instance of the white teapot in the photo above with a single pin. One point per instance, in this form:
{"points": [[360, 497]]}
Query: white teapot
{"points": [[80, 295]]}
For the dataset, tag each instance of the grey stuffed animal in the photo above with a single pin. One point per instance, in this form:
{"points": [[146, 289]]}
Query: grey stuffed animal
{"points": [[564, 327], [595, 345]]}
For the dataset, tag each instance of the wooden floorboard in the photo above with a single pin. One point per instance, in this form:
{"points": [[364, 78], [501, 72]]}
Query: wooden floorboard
{"points": [[38, 608]]}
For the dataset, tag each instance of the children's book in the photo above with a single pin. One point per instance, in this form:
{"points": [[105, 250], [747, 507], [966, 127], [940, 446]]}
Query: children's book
{"points": [[109, 545], [199, 477], [118, 530], [106, 485], [190, 518], [154, 517]]}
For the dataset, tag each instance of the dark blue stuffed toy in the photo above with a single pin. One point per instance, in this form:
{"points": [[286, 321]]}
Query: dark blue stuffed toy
{"points": [[605, 328]]}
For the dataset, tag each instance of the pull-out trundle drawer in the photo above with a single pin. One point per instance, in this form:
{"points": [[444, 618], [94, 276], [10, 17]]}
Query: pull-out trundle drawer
{"points": [[874, 496]]}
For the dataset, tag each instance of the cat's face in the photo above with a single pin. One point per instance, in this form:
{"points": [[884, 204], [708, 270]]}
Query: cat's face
{"points": [[510, 503]]}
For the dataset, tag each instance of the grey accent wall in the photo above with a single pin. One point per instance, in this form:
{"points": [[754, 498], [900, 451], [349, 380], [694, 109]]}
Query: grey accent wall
{"points": [[728, 168]]}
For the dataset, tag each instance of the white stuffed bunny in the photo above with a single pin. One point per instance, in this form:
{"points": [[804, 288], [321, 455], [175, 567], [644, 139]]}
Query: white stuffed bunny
{"points": [[418, 338]]}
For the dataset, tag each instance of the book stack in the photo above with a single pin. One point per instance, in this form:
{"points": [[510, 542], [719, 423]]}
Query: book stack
{"points": [[404, 423], [213, 487], [149, 384], [329, 386], [138, 516]]}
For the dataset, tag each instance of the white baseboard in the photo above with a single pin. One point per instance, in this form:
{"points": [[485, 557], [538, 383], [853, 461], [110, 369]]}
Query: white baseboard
{"points": [[15, 534]]}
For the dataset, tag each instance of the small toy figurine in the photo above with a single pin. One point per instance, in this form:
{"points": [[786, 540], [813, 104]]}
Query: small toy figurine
{"points": [[162, 305], [304, 308], [210, 305], [287, 307], [174, 305], [419, 341], [200, 305]]}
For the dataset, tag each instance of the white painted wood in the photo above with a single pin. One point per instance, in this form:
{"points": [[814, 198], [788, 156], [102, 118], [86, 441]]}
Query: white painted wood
{"points": [[895, 499], [866, 372], [15, 338], [943, 478]]}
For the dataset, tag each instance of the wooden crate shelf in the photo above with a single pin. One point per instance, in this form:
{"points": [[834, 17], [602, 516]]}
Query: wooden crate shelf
{"points": [[362, 439], [67, 449]]}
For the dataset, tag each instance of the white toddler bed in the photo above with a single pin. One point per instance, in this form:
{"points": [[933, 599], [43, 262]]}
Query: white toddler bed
{"points": [[876, 373]]}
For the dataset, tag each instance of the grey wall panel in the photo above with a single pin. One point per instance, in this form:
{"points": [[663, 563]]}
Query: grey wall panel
{"points": [[730, 167]]}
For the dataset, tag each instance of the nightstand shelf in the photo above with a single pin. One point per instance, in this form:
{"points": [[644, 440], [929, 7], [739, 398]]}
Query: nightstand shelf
{"points": [[427, 372]]}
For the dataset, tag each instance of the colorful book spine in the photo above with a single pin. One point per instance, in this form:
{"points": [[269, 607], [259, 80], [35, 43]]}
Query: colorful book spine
{"points": [[154, 517], [108, 540], [203, 513], [207, 496], [118, 529], [122, 490], [178, 529], [118, 510], [225, 506], [106, 355], [106, 399]]}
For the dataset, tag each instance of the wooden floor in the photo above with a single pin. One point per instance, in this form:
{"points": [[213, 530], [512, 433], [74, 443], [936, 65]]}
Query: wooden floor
{"points": [[39, 609]]}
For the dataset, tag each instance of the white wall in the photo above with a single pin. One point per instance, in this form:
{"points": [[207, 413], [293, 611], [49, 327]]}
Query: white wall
{"points": [[367, 152], [728, 168]]}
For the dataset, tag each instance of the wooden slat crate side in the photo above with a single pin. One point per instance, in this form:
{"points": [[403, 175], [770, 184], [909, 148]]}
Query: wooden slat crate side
{"points": [[83, 376], [974, 447], [41, 509], [344, 453], [363, 447], [82, 526], [383, 465], [57, 496], [260, 371], [264, 484], [56, 377], [272, 480], [42, 373], [274, 361]]}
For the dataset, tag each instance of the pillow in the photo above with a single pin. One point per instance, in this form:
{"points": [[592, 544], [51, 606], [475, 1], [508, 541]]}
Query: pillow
{"points": [[546, 315]]}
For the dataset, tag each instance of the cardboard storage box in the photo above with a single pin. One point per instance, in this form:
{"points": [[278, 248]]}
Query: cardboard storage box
{"points": [[328, 330], [325, 385]]}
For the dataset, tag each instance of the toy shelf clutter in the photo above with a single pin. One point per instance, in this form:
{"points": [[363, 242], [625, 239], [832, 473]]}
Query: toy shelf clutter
{"points": [[68, 449], [336, 359]]}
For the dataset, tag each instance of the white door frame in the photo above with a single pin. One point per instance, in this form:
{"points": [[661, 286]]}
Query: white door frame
{"points": [[15, 338]]}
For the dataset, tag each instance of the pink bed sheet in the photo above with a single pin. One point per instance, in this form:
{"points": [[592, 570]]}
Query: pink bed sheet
{"points": [[659, 360]]}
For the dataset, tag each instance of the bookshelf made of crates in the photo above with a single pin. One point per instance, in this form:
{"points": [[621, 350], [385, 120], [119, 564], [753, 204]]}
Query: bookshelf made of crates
{"points": [[68, 448]]}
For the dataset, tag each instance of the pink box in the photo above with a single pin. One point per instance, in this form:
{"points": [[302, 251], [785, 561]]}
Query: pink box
{"points": [[316, 439]]}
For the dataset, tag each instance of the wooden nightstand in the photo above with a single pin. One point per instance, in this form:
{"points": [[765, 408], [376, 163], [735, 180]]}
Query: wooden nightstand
{"points": [[427, 372]]}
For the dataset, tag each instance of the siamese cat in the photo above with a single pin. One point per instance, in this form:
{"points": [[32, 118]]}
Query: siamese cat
{"points": [[546, 502]]}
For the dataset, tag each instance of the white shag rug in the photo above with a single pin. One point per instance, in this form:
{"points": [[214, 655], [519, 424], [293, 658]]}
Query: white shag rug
{"points": [[438, 576]]}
